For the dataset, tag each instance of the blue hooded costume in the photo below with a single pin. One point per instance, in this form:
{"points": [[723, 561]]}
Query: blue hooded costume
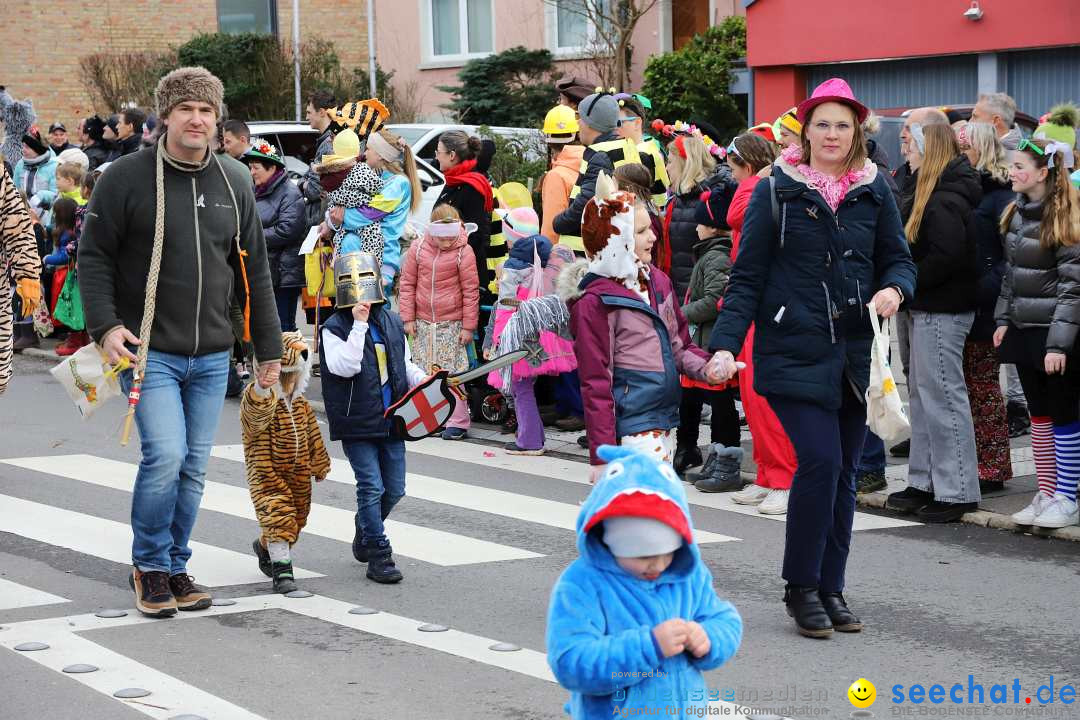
{"points": [[599, 635]]}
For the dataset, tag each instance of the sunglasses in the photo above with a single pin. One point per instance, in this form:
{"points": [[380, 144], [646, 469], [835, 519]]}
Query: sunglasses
{"points": [[732, 149]]}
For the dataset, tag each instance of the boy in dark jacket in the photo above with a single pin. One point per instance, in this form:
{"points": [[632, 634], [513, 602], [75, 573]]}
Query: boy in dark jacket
{"points": [[367, 367], [635, 620], [708, 280]]}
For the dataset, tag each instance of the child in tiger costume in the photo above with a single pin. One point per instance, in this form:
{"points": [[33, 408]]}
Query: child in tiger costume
{"points": [[283, 451]]}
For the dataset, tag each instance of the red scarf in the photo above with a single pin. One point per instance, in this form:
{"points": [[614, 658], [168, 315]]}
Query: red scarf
{"points": [[465, 174]]}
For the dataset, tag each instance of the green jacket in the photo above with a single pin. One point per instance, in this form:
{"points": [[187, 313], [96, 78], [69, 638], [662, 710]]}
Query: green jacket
{"points": [[708, 281], [200, 272]]}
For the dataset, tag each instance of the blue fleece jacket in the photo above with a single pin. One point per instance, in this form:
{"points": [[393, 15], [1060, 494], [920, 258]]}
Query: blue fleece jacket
{"points": [[599, 636]]}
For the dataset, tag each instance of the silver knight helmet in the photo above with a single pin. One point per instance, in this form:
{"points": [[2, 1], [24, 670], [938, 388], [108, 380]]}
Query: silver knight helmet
{"points": [[358, 277]]}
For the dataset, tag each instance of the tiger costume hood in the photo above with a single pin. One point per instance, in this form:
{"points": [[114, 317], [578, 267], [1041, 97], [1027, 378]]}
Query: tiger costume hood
{"points": [[295, 365]]}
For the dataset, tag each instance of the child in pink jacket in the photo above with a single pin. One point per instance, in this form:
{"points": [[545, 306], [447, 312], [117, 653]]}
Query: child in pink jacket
{"points": [[439, 302]]}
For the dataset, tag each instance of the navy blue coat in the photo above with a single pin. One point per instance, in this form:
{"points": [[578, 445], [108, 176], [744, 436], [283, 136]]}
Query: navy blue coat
{"points": [[354, 405], [991, 253], [806, 282]]}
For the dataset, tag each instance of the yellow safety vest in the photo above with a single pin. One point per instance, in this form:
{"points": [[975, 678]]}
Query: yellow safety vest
{"points": [[621, 152]]}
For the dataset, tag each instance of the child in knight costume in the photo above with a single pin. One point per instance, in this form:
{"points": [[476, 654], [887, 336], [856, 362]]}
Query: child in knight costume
{"points": [[366, 367], [283, 451]]}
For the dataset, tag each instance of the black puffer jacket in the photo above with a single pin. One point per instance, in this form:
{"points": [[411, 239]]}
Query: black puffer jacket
{"points": [[1041, 286], [284, 220], [991, 263], [944, 251], [680, 229]]}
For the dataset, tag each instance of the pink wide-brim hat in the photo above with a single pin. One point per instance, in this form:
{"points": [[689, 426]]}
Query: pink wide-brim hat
{"points": [[832, 90]]}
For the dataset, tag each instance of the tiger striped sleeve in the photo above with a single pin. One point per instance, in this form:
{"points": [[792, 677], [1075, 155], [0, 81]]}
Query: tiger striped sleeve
{"points": [[19, 246], [256, 412], [320, 459]]}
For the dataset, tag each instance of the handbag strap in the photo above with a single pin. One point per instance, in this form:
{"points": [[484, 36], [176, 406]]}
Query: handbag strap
{"points": [[881, 327]]}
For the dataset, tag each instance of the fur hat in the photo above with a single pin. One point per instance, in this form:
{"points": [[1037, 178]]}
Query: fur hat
{"points": [[18, 117], [185, 84], [607, 231]]}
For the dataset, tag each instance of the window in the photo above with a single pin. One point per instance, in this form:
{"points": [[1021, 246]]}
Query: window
{"points": [[244, 16], [570, 27], [461, 28]]}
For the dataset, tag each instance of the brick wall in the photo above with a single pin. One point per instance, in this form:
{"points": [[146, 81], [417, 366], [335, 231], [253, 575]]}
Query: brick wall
{"points": [[41, 44]]}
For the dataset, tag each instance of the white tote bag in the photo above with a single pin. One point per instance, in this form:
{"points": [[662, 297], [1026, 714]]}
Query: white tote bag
{"points": [[884, 409], [89, 379]]}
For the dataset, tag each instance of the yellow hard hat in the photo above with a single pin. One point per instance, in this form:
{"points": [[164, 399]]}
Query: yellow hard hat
{"points": [[560, 121]]}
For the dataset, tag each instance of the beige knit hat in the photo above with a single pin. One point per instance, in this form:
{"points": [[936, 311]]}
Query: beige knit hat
{"points": [[188, 83]]}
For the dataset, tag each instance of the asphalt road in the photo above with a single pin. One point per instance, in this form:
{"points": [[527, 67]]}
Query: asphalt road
{"points": [[482, 540]]}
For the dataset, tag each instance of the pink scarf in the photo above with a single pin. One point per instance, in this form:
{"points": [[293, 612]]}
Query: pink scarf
{"points": [[833, 190]]}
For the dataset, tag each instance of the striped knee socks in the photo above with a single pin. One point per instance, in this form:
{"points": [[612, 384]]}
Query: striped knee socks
{"points": [[1042, 448], [1067, 450]]}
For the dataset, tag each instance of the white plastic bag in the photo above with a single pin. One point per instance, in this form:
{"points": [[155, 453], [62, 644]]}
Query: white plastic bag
{"points": [[884, 409], [88, 378]]}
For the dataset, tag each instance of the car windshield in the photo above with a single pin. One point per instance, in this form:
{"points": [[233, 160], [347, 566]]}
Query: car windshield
{"points": [[408, 134]]}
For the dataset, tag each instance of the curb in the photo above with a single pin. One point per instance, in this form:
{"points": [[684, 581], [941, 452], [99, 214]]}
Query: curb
{"points": [[987, 519]]}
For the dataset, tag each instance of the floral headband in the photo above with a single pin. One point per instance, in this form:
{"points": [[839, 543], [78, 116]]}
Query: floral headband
{"points": [[262, 147], [681, 130]]}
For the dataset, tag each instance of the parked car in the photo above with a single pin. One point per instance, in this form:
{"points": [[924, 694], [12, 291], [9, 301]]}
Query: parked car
{"points": [[424, 137], [892, 121], [296, 141]]}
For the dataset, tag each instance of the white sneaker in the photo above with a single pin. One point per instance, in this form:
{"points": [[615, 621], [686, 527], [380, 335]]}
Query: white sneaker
{"points": [[775, 503], [1059, 512], [1027, 515], [750, 495]]}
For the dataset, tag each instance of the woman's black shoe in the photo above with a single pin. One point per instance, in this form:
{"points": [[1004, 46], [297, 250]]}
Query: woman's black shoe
{"points": [[943, 512], [909, 500], [901, 449], [686, 458], [843, 620], [804, 605]]}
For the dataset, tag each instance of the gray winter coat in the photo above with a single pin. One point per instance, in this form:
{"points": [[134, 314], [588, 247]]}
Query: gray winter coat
{"points": [[1041, 287], [284, 222]]}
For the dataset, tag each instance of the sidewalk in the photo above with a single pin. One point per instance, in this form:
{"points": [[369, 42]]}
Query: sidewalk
{"points": [[994, 509]]}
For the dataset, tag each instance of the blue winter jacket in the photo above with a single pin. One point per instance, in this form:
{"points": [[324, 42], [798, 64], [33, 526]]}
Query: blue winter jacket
{"points": [[805, 282], [600, 643]]}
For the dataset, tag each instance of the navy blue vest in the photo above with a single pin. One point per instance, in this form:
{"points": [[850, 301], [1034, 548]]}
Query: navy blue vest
{"points": [[354, 406]]}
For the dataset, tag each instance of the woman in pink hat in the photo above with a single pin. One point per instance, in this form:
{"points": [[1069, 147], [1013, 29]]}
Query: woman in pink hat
{"points": [[821, 239]]}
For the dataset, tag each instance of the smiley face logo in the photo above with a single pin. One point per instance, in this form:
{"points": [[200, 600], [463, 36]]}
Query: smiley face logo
{"points": [[862, 693]]}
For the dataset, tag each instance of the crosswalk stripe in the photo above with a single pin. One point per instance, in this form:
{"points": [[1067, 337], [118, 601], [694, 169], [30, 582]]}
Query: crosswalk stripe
{"points": [[13, 595], [111, 541], [169, 696], [577, 472], [472, 497], [60, 634], [433, 546]]}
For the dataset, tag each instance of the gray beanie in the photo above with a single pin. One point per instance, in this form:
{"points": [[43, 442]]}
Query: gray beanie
{"points": [[600, 112]]}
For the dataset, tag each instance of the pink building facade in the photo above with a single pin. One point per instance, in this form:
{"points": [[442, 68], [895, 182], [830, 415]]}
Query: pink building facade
{"points": [[426, 42]]}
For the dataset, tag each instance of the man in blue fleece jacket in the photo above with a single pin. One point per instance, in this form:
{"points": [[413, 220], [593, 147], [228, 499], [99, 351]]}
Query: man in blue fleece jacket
{"points": [[634, 621]]}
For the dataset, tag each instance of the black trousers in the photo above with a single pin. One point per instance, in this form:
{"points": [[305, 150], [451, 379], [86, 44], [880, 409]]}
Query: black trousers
{"points": [[724, 424]]}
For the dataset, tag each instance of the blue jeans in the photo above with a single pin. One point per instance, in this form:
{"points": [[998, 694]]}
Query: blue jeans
{"points": [[286, 299], [177, 417], [873, 454], [821, 506], [379, 467]]}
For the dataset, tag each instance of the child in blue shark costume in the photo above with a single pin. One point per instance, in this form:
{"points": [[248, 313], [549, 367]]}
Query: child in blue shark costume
{"points": [[635, 620]]}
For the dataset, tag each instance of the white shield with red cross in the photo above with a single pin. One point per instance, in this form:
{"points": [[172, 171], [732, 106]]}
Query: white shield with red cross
{"points": [[424, 410]]}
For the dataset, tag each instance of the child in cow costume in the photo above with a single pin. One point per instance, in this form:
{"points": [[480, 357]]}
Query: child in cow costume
{"points": [[283, 451], [366, 366]]}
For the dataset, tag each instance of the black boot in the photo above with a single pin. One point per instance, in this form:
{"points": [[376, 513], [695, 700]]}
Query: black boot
{"points": [[722, 473], [686, 458], [283, 577], [804, 605], [25, 336], [359, 549], [843, 620], [264, 557], [381, 566]]}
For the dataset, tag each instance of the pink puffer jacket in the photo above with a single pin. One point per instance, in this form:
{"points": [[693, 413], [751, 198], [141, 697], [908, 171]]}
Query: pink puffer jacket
{"points": [[440, 285]]}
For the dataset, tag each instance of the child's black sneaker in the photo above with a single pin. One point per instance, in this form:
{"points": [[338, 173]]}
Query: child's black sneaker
{"points": [[283, 577], [381, 567], [264, 557]]}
